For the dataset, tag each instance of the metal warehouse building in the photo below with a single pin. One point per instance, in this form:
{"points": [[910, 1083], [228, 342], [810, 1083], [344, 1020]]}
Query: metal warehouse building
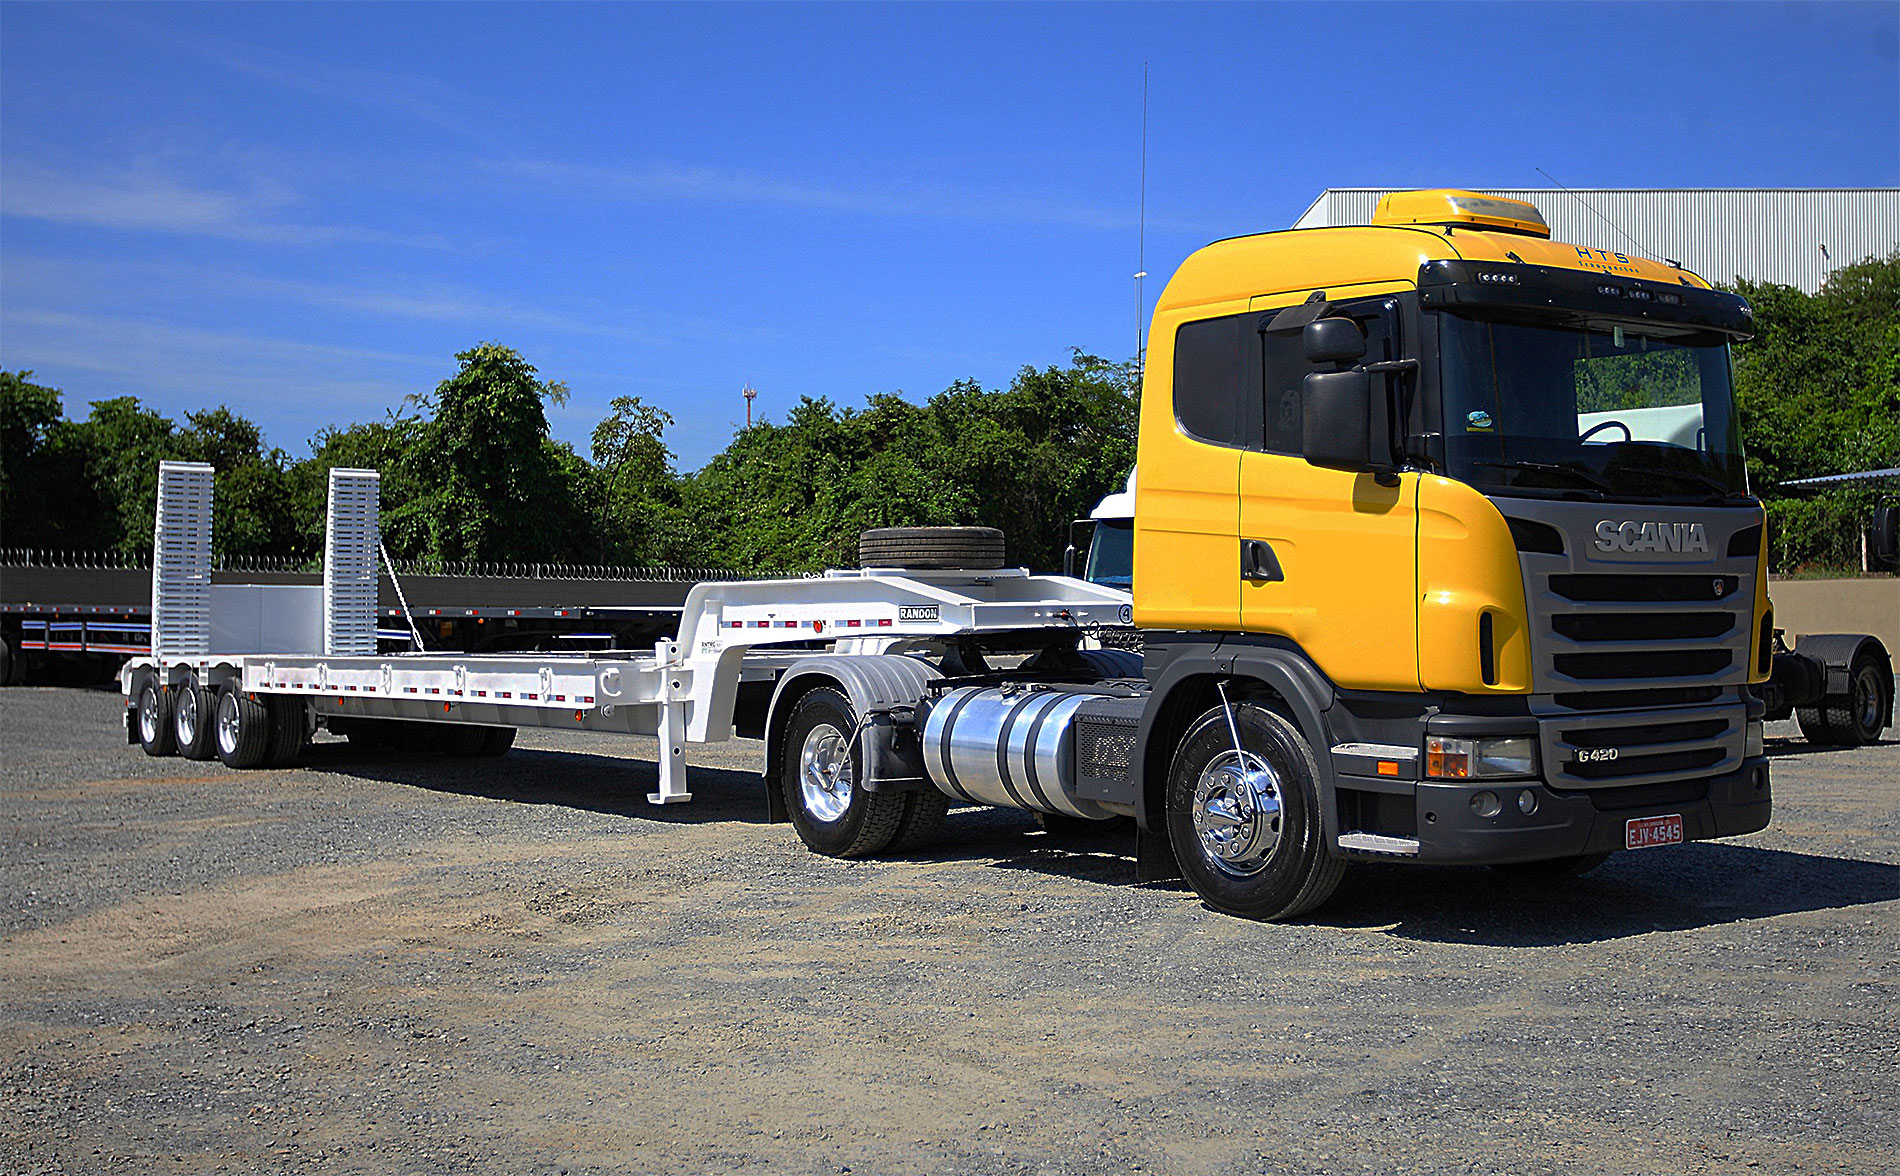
{"points": [[1793, 236]]}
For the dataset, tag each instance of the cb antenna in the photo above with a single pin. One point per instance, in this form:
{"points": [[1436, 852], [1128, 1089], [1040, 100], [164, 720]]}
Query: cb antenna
{"points": [[1640, 247], [1141, 229]]}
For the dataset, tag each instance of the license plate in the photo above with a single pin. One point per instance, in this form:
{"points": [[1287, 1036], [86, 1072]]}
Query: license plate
{"points": [[1649, 832]]}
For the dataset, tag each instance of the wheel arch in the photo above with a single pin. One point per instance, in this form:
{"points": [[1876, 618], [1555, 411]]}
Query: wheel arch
{"points": [[1281, 679], [1837, 651], [870, 681]]}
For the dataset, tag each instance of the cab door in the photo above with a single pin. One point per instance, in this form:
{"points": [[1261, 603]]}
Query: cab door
{"points": [[1325, 557]]}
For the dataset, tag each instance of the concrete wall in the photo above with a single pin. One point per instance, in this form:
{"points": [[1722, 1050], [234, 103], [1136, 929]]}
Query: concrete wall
{"points": [[1869, 605]]}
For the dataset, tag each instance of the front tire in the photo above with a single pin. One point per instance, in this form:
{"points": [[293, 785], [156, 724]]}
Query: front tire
{"points": [[155, 719], [831, 810], [1246, 825]]}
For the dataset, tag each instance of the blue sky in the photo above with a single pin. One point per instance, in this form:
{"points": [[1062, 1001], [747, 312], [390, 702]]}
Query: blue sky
{"points": [[304, 211]]}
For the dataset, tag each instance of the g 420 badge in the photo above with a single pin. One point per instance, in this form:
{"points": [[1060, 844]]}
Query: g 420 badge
{"points": [[916, 612]]}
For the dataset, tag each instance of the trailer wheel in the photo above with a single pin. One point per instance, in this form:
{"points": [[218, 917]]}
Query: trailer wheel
{"points": [[155, 719], [1245, 824], [7, 662], [1552, 869], [497, 740], [460, 742], [243, 730], [833, 816], [288, 731], [931, 547], [193, 722]]}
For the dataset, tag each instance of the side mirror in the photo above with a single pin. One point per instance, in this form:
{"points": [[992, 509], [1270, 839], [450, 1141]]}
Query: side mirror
{"points": [[1333, 340], [1073, 553], [1336, 425], [1883, 548]]}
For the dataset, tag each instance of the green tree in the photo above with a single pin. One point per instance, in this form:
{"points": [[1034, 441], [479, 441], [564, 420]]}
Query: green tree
{"points": [[1818, 390], [46, 497], [488, 482], [638, 520], [1026, 459]]}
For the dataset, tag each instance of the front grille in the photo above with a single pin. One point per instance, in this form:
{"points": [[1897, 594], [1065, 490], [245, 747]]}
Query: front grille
{"points": [[1623, 626], [1639, 660], [1627, 766], [1637, 699], [1599, 588], [1641, 736], [1642, 747], [1672, 663]]}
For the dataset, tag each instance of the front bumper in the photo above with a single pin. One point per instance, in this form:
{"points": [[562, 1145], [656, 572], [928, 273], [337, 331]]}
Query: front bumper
{"points": [[1571, 823]]}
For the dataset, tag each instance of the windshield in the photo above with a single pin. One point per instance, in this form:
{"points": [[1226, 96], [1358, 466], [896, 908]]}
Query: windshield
{"points": [[1112, 554], [1594, 409]]}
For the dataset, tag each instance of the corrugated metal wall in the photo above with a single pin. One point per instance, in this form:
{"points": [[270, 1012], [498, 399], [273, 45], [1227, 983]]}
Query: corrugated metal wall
{"points": [[1773, 235]]}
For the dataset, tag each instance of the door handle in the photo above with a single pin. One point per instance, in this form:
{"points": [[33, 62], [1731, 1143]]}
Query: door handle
{"points": [[1258, 563]]}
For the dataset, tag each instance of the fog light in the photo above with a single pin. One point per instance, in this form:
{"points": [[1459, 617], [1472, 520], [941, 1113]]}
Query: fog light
{"points": [[1527, 802], [1486, 804], [1752, 738]]}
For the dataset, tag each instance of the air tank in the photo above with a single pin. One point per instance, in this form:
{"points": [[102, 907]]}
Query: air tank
{"points": [[1011, 746]]}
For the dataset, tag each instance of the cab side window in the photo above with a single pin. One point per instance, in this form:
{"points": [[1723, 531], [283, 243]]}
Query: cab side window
{"points": [[1207, 381]]}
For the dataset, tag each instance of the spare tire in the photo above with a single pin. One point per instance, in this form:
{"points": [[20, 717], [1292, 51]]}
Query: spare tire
{"points": [[930, 548]]}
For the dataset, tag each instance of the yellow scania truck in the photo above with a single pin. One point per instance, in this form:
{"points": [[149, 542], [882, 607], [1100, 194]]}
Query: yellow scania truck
{"points": [[1443, 552]]}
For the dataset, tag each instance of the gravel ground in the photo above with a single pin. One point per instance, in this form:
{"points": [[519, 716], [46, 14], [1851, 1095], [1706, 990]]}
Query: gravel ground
{"points": [[399, 963]]}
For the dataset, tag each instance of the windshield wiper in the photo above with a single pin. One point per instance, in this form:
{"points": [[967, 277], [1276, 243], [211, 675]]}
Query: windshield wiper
{"points": [[1587, 477], [1716, 484]]}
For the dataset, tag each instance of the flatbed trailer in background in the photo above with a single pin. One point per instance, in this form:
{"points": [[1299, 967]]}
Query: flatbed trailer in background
{"points": [[74, 617]]}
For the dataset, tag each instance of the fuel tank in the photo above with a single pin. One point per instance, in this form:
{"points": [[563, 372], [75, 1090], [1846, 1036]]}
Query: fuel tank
{"points": [[1011, 746]]}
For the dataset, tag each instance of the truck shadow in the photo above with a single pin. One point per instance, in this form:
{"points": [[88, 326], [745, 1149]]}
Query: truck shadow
{"points": [[581, 780], [1705, 884], [1701, 885], [1796, 748]]}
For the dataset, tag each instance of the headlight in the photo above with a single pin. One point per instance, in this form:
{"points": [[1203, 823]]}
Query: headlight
{"points": [[1466, 759]]}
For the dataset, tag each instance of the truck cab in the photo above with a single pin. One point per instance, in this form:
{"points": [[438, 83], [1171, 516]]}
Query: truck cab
{"points": [[1467, 506]]}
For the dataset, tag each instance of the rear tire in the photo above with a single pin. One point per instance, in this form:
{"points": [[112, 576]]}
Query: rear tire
{"points": [[243, 730], [922, 824], [831, 810], [155, 719], [1856, 718], [194, 722], [1247, 832], [931, 547], [497, 740]]}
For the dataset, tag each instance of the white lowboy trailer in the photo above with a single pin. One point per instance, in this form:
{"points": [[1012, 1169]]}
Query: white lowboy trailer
{"points": [[246, 673]]}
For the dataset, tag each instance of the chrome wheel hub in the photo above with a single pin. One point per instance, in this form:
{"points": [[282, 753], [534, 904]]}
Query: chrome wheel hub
{"points": [[1237, 813], [228, 725], [1867, 699], [187, 715], [824, 773], [148, 715]]}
